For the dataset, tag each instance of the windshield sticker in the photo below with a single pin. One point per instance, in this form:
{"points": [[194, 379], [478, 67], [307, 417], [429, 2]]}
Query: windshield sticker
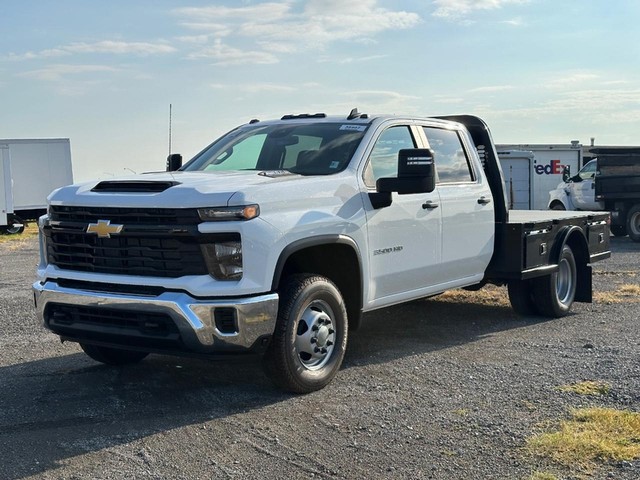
{"points": [[334, 165], [275, 173], [354, 128]]}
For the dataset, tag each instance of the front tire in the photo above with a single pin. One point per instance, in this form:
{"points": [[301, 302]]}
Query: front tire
{"points": [[633, 223], [112, 356], [310, 337], [554, 294]]}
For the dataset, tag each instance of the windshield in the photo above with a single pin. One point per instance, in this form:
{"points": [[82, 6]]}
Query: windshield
{"points": [[307, 148]]}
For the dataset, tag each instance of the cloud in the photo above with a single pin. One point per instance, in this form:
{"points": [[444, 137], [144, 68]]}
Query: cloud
{"points": [[118, 47], [571, 79], [223, 54], [290, 26], [256, 88], [492, 89], [383, 100], [455, 9], [56, 73], [106, 46]]}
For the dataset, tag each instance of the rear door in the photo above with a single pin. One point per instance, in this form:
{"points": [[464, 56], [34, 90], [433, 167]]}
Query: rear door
{"points": [[466, 206]]}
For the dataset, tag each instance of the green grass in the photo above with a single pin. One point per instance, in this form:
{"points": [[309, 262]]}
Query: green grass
{"points": [[589, 437], [30, 231], [588, 387]]}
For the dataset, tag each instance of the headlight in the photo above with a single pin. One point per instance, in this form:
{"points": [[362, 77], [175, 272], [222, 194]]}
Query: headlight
{"points": [[224, 258], [217, 214]]}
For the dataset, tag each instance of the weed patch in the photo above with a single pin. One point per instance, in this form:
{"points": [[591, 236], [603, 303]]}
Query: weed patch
{"points": [[588, 387], [590, 436]]}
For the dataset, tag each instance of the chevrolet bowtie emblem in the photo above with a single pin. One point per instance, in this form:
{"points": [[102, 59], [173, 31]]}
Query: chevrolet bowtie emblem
{"points": [[104, 228]]}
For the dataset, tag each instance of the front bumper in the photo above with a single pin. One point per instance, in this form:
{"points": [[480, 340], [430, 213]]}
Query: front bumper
{"points": [[171, 321]]}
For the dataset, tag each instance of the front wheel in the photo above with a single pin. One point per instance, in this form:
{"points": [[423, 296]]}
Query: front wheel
{"points": [[633, 223], [112, 356], [310, 337], [554, 294]]}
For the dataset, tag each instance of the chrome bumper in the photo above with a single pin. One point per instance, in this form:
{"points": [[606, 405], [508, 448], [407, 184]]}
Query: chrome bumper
{"points": [[255, 316]]}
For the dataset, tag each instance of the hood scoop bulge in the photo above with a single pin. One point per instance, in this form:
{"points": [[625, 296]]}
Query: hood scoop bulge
{"points": [[132, 186]]}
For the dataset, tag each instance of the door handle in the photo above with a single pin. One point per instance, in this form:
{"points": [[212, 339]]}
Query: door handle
{"points": [[484, 200], [429, 205]]}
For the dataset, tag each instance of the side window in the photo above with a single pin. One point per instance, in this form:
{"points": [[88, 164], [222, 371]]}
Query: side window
{"points": [[451, 160], [383, 161], [588, 171]]}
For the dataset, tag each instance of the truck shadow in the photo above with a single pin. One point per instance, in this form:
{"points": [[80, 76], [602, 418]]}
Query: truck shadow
{"points": [[427, 325], [66, 406]]}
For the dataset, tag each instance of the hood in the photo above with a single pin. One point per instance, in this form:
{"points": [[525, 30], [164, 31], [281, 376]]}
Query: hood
{"points": [[166, 189]]}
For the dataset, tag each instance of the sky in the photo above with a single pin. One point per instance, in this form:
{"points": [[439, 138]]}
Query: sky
{"points": [[103, 73]]}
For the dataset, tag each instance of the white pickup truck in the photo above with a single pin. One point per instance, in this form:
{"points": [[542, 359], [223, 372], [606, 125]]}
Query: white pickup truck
{"points": [[279, 235]]}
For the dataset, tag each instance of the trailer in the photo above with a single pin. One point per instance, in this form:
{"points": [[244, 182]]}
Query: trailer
{"points": [[37, 166], [544, 170]]}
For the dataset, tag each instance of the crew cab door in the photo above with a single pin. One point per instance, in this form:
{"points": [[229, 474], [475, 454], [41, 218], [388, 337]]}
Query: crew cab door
{"points": [[466, 206], [582, 188], [404, 238]]}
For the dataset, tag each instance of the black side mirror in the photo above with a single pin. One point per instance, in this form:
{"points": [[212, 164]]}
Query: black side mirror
{"points": [[174, 162], [416, 173], [566, 173]]}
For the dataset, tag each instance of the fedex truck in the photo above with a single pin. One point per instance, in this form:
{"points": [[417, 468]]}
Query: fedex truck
{"points": [[37, 167], [537, 168]]}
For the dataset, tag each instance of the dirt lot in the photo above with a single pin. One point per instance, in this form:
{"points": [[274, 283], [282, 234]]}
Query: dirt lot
{"points": [[446, 388]]}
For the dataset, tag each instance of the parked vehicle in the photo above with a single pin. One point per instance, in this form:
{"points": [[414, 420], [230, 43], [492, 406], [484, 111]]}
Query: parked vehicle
{"points": [[9, 223], [280, 234], [537, 174], [610, 182], [38, 166]]}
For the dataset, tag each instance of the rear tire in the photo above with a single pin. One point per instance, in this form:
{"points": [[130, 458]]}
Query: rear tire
{"points": [[633, 223], [310, 337], [557, 206], [554, 294], [113, 356], [16, 226], [521, 297]]}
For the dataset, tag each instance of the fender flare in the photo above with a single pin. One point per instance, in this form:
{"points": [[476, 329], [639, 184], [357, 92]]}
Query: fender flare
{"points": [[315, 242]]}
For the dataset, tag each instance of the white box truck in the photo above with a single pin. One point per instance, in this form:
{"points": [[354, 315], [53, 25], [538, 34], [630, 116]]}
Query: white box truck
{"points": [[6, 189], [544, 170], [38, 166]]}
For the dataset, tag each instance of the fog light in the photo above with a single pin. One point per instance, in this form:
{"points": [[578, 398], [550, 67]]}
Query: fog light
{"points": [[224, 259]]}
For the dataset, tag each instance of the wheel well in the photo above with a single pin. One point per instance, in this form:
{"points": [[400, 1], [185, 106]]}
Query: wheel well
{"points": [[580, 249], [556, 202], [339, 263]]}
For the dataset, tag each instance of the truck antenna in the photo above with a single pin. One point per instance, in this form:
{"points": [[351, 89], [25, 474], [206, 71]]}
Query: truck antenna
{"points": [[169, 129]]}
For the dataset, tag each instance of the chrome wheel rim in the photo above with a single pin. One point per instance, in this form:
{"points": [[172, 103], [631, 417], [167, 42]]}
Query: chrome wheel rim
{"points": [[634, 223], [565, 282], [315, 335]]}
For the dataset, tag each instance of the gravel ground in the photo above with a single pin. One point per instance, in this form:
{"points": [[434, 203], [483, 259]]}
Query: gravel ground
{"points": [[438, 388]]}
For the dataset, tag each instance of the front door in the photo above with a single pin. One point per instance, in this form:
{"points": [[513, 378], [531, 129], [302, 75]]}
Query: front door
{"points": [[404, 238]]}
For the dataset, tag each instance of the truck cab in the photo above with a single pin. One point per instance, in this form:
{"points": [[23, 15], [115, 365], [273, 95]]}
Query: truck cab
{"points": [[577, 192]]}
